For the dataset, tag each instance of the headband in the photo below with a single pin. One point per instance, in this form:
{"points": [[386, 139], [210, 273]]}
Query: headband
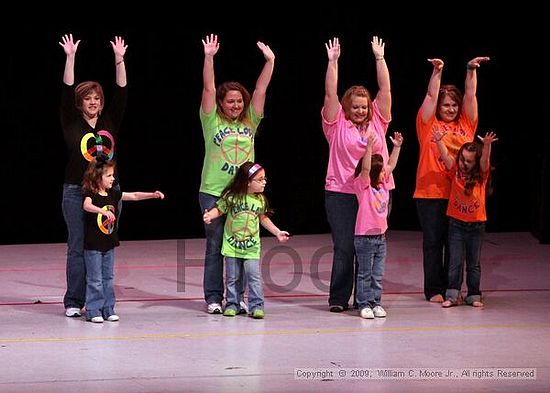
{"points": [[255, 168]]}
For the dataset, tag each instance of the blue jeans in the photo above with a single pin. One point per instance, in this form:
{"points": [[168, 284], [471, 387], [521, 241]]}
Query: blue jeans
{"points": [[73, 214], [234, 269], [100, 292], [341, 212], [371, 261], [465, 239], [213, 259], [432, 214]]}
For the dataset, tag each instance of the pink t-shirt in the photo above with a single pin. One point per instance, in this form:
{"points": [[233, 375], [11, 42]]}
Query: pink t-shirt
{"points": [[372, 216], [347, 145]]}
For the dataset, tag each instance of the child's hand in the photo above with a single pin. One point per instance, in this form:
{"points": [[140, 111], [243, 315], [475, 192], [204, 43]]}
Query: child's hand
{"points": [[110, 216], [283, 236], [159, 195], [489, 138], [207, 217], [397, 139], [438, 134]]}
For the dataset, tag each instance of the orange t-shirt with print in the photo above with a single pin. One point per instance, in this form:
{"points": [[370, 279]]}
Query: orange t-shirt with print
{"points": [[432, 181], [467, 208]]}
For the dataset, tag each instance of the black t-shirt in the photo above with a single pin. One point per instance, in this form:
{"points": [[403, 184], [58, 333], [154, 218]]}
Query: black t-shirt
{"points": [[97, 235], [83, 141]]}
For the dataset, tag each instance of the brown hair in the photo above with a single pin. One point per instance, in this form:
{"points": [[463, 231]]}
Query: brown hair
{"points": [[454, 94], [376, 165], [222, 91], [92, 177], [475, 174], [85, 88]]}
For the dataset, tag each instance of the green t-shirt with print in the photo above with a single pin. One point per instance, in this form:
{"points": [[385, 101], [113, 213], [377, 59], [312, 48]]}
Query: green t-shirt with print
{"points": [[241, 235], [227, 145]]}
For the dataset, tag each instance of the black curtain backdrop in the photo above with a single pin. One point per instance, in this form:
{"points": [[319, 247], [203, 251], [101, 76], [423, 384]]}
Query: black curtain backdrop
{"points": [[161, 145]]}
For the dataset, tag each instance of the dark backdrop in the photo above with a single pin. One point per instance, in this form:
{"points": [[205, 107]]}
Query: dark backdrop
{"points": [[161, 146]]}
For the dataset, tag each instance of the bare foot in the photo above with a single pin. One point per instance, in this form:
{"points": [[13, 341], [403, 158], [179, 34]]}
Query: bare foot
{"points": [[477, 304], [448, 303], [436, 299]]}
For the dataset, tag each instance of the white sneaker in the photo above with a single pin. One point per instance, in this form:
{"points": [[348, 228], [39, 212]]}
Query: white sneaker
{"points": [[379, 312], [367, 313], [72, 312], [244, 307], [214, 308], [98, 319], [113, 318]]}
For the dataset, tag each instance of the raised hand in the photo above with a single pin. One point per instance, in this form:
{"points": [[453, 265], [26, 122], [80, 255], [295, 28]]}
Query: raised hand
{"points": [[333, 49], [476, 61], [437, 63], [489, 138], [211, 45], [266, 50], [397, 139], [118, 46], [68, 44], [377, 46]]}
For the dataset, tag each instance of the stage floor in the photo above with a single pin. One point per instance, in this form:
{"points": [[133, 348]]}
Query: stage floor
{"points": [[166, 342]]}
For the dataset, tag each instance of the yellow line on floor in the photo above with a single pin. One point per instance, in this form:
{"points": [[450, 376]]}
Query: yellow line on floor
{"points": [[270, 333]]}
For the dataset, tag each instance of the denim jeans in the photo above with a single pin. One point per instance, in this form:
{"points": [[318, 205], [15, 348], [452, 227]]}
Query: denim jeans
{"points": [[465, 239], [100, 291], [371, 261], [235, 268], [432, 214], [73, 213], [341, 212], [213, 259]]}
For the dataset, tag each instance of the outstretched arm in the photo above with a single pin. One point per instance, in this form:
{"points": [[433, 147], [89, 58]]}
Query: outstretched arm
{"points": [[258, 97], [485, 161], [383, 97], [69, 47], [266, 222], [119, 49], [211, 46], [469, 104], [397, 141], [443, 152], [429, 105], [140, 196]]}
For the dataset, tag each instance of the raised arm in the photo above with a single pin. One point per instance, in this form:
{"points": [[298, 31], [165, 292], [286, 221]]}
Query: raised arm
{"points": [[397, 141], [429, 105], [383, 97], [258, 96], [469, 104], [485, 161], [211, 46], [367, 158], [119, 49], [331, 103], [69, 47], [437, 136]]}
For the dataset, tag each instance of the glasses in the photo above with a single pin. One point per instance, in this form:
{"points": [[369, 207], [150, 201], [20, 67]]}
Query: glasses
{"points": [[260, 180]]}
